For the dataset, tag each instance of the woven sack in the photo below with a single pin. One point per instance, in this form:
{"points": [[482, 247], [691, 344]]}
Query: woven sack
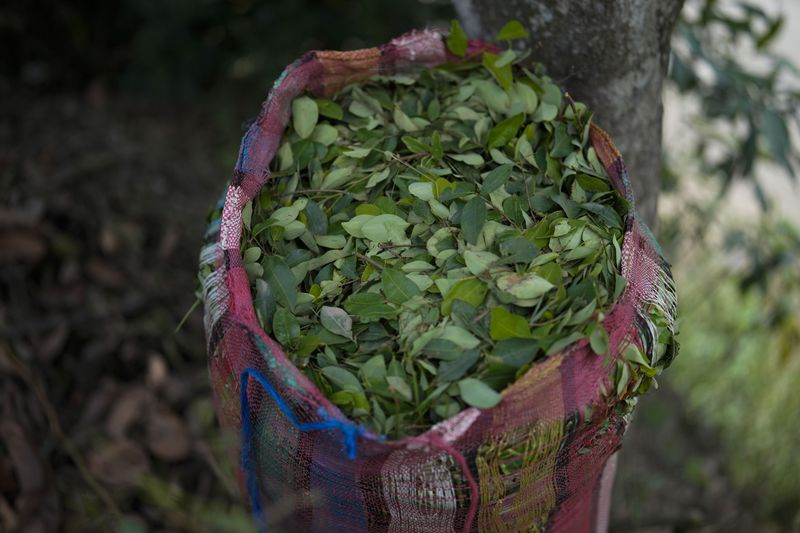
{"points": [[306, 467]]}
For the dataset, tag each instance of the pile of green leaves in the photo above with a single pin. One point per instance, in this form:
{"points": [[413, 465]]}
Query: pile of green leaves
{"points": [[425, 239]]}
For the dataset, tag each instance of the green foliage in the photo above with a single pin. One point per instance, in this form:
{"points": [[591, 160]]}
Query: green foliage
{"points": [[740, 336], [747, 108], [424, 239], [740, 304]]}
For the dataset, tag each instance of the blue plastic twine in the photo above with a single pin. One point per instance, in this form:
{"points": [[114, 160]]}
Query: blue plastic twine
{"points": [[350, 433]]}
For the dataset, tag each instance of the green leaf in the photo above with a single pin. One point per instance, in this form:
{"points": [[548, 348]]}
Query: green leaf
{"points": [[523, 286], [397, 287], [254, 271], [443, 349], [479, 262], [512, 30], [634, 355], [771, 32], [504, 131], [332, 241], [456, 368], [436, 145], [373, 370], [473, 217], [592, 184], [285, 157], [496, 178], [307, 345], [517, 351], [304, 116], [584, 314], [403, 121], [324, 134], [478, 394], [303, 151], [562, 143], [337, 177], [513, 209], [472, 159], [285, 327], [507, 57], [399, 385], [504, 75], [281, 281], [518, 250], [283, 216], [623, 377], [336, 320], [564, 342], [506, 325], [355, 225], [422, 190], [460, 337], [414, 145], [330, 109], [378, 177], [598, 340], [342, 378], [457, 40], [470, 290], [247, 214], [385, 228], [552, 94], [252, 254], [264, 303], [524, 96], [606, 213], [368, 307], [545, 112], [774, 128], [358, 153], [316, 220]]}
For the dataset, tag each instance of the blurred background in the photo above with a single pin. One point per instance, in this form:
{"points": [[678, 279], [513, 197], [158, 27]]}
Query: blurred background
{"points": [[119, 124]]}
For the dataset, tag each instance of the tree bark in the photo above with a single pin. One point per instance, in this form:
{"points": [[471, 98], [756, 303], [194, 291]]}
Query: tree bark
{"points": [[612, 55]]}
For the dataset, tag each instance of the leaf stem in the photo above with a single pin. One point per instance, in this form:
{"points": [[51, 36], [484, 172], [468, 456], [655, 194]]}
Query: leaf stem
{"points": [[368, 260], [574, 110]]}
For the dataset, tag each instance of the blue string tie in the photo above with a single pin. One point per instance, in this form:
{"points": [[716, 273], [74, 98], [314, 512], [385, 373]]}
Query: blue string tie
{"points": [[349, 430]]}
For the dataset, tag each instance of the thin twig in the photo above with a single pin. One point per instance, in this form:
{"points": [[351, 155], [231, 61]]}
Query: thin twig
{"points": [[369, 260], [411, 157], [389, 246], [528, 197], [400, 160], [489, 201], [187, 315], [574, 110], [480, 317]]}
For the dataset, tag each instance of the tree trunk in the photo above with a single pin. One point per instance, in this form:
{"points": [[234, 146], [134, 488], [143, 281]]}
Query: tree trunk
{"points": [[611, 54]]}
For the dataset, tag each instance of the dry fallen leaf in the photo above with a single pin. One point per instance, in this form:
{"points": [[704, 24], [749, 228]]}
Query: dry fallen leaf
{"points": [[23, 246], [157, 371], [120, 463], [167, 437], [129, 408]]}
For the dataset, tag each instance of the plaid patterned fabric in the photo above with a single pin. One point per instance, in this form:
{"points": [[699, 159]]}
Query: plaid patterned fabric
{"points": [[308, 467]]}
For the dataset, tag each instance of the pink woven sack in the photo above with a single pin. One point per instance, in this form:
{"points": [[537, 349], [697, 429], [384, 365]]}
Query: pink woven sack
{"points": [[306, 467]]}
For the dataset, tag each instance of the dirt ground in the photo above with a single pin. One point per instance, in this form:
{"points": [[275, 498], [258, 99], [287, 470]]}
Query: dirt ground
{"points": [[105, 409]]}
